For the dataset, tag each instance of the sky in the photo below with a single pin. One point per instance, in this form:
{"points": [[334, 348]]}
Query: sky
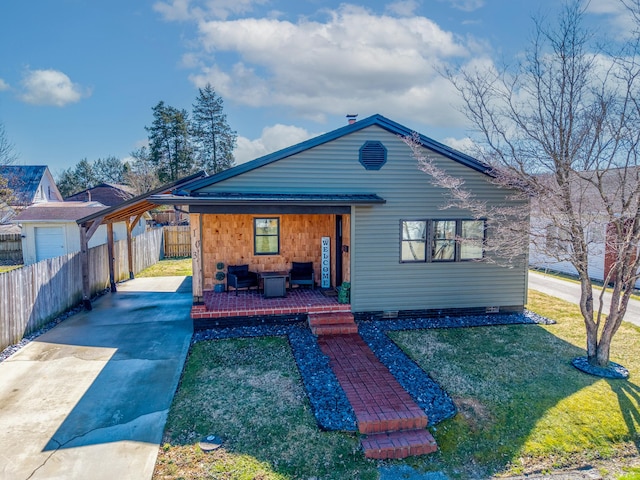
{"points": [[78, 78]]}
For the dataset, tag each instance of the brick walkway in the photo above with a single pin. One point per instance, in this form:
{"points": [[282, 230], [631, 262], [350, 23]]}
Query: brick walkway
{"points": [[392, 424]]}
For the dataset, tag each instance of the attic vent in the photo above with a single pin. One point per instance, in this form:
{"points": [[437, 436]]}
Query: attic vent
{"points": [[373, 155]]}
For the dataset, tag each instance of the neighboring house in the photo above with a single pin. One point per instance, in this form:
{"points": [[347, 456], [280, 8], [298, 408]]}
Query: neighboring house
{"points": [[108, 194], [30, 184], [50, 230], [111, 195], [601, 259], [356, 194]]}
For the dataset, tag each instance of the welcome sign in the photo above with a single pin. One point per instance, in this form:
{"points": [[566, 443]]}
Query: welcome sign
{"points": [[325, 262]]}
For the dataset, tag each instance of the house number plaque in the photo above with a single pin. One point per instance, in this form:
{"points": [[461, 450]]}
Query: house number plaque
{"points": [[326, 262]]}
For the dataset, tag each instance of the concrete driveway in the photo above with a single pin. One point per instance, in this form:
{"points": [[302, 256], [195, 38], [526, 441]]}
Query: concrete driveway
{"points": [[570, 292], [89, 399]]}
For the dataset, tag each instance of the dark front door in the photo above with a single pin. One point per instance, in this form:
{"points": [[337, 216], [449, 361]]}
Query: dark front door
{"points": [[338, 250]]}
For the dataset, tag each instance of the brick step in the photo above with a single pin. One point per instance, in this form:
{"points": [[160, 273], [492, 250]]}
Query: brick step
{"points": [[391, 421], [398, 444], [335, 329], [332, 318]]}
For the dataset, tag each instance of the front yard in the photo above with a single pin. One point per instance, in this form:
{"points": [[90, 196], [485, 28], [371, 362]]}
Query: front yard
{"points": [[522, 407]]}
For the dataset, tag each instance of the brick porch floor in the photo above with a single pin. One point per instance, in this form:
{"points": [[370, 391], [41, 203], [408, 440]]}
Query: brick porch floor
{"points": [[252, 304]]}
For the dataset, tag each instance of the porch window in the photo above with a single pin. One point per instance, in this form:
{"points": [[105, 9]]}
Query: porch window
{"points": [[266, 236], [414, 241]]}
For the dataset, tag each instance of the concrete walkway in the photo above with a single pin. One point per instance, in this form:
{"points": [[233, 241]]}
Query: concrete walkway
{"points": [[570, 291], [89, 399]]}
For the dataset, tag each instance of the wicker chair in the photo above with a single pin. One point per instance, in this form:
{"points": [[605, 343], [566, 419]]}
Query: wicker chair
{"points": [[239, 276], [302, 273]]}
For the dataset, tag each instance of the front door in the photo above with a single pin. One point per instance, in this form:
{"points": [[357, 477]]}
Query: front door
{"points": [[338, 250]]}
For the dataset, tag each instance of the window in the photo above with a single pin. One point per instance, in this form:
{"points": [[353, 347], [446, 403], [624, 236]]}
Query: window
{"points": [[471, 239], [414, 241], [266, 236], [444, 241], [457, 240]]}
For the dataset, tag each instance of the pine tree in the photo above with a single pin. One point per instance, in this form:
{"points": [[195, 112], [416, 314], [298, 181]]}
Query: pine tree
{"points": [[213, 139], [170, 143]]}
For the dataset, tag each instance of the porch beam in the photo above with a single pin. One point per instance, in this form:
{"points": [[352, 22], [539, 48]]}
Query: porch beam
{"points": [[271, 209]]}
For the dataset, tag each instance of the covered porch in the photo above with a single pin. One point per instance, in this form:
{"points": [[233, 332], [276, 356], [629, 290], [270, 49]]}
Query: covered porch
{"points": [[223, 308]]}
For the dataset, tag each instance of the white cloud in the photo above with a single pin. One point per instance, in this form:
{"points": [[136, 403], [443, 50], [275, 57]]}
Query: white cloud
{"points": [[465, 145], [466, 5], [620, 19], [3, 85], [272, 139], [353, 61], [402, 8], [50, 87], [181, 10]]}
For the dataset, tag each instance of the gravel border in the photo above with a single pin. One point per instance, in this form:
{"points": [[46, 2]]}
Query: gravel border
{"points": [[613, 371], [329, 403]]}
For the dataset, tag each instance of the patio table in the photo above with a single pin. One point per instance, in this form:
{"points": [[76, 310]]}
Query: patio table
{"points": [[274, 284]]}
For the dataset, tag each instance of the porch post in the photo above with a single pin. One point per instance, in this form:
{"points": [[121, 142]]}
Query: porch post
{"points": [[112, 281], [130, 248], [84, 261], [196, 257]]}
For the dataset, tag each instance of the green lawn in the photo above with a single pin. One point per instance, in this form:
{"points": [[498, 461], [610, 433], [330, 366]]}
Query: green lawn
{"points": [[169, 267], [522, 407], [8, 268]]}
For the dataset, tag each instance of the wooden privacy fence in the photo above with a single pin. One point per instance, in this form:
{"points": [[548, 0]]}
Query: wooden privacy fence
{"points": [[32, 296], [177, 241], [10, 249]]}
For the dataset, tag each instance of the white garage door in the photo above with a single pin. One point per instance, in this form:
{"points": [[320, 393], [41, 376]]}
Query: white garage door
{"points": [[49, 242]]}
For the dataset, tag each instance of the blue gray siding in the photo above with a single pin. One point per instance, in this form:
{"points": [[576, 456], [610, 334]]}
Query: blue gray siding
{"points": [[379, 281]]}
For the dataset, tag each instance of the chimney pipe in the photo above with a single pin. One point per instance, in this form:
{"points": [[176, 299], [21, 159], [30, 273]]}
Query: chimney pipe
{"points": [[352, 118]]}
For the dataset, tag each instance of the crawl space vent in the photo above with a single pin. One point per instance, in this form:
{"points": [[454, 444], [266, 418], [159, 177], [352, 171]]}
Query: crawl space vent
{"points": [[373, 155]]}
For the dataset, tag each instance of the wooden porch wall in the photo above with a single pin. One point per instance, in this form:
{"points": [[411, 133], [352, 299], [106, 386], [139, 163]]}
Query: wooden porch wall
{"points": [[228, 238]]}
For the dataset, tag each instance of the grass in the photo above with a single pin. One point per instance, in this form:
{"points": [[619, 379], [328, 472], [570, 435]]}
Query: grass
{"points": [[8, 268], [522, 407], [169, 267], [249, 392]]}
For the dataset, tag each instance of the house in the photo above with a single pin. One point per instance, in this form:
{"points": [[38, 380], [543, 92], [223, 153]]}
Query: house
{"points": [[108, 194], [550, 248], [30, 184], [112, 195], [50, 230], [354, 202]]}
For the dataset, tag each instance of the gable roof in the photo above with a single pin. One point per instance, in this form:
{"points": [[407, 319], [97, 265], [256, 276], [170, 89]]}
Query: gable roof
{"points": [[136, 205], [23, 180], [57, 212], [377, 120], [106, 193]]}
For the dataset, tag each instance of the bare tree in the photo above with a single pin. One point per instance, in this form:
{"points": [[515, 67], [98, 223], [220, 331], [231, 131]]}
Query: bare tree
{"points": [[141, 174], [562, 127], [8, 156]]}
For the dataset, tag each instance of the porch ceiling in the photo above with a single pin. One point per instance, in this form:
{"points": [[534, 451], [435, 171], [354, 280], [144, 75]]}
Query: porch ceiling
{"points": [[248, 199]]}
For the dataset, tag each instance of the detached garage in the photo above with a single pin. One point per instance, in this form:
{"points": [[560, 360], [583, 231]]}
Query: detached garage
{"points": [[49, 242], [50, 230]]}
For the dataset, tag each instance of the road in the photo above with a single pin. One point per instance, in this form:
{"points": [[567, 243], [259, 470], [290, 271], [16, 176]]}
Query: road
{"points": [[570, 292]]}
